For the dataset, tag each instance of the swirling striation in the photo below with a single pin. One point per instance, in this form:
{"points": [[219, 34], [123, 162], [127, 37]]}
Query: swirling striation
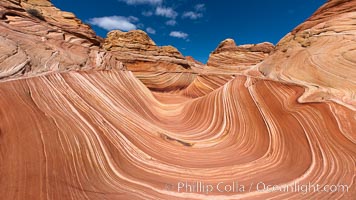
{"points": [[96, 135], [320, 55]]}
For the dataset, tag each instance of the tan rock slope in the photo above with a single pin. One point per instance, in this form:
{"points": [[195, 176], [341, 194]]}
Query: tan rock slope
{"points": [[140, 53], [227, 56], [38, 38], [320, 55], [159, 68], [120, 118], [224, 63]]}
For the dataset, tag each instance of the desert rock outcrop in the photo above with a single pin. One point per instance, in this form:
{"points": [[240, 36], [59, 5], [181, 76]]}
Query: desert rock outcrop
{"points": [[320, 55], [228, 56], [37, 38], [159, 68]]}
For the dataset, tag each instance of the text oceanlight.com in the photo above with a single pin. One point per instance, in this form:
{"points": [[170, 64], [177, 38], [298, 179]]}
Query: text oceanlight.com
{"points": [[236, 187]]}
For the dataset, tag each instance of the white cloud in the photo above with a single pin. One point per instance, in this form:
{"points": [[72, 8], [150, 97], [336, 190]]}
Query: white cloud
{"points": [[142, 2], [147, 13], [166, 12], [150, 30], [198, 13], [133, 19], [171, 22], [179, 34], [199, 7], [140, 26], [192, 15], [115, 22]]}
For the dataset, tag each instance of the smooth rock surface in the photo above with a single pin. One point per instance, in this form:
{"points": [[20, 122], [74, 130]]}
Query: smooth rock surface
{"points": [[320, 54]]}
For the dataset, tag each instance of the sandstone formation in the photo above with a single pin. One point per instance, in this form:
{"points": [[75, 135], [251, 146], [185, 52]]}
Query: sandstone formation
{"points": [[203, 84], [37, 38], [226, 61], [120, 118], [320, 55], [82, 130], [195, 65], [227, 56], [139, 52], [159, 68]]}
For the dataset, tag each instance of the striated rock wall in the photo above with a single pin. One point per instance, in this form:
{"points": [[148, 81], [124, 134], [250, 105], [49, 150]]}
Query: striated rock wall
{"points": [[227, 56], [56, 41], [37, 38], [320, 54], [159, 68], [139, 52], [102, 134]]}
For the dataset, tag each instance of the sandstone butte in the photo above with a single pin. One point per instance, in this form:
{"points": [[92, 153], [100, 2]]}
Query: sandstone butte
{"points": [[82, 117]]}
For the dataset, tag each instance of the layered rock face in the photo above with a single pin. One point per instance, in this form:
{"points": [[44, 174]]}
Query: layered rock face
{"points": [[159, 68], [91, 121], [226, 61], [139, 52], [320, 55], [228, 56], [38, 38]]}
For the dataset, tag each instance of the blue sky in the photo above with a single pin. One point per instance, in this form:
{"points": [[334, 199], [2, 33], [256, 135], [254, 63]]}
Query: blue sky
{"points": [[195, 27]]}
